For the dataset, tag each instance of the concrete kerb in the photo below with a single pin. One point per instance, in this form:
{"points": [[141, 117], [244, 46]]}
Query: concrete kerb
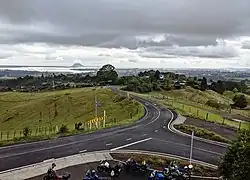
{"points": [[180, 120], [81, 158], [37, 169]]}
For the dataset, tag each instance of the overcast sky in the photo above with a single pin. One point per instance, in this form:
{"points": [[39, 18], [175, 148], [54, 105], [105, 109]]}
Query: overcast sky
{"points": [[126, 33]]}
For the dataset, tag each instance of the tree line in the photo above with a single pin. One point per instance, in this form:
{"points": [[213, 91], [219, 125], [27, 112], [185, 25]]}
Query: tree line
{"points": [[144, 82]]}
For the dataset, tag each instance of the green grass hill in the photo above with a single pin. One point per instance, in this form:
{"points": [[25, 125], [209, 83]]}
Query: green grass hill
{"points": [[19, 110]]}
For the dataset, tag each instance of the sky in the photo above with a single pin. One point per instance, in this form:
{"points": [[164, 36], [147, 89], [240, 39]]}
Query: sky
{"points": [[126, 33]]}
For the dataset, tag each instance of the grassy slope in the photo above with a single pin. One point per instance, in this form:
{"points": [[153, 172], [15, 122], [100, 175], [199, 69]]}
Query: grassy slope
{"points": [[18, 110], [188, 101]]}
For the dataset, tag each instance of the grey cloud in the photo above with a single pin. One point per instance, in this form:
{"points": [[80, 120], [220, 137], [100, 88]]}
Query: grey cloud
{"points": [[246, 45], [132, 60], [201, 51], [101, 21]]}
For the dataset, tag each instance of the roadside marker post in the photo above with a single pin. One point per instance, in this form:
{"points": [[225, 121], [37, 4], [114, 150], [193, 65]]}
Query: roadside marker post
{"points": [[191, 150], [104, 118]]}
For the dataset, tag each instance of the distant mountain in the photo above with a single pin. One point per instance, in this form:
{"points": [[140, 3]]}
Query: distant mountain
{"points": [[76, 65]]}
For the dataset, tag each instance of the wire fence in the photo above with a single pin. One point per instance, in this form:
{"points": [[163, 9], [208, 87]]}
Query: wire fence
{"points": [[199, 113]]}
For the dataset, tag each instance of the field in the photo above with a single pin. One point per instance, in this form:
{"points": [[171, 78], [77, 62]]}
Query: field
{"points": [[46, 112]]}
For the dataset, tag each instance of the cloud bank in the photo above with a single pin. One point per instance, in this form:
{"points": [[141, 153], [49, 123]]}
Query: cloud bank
{"points": [[148, 33]]}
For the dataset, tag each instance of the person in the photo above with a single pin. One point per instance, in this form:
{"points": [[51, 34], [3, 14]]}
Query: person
{"points": [[51, 171]]}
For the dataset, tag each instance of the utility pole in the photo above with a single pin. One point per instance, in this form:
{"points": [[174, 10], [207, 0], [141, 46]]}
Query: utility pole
{"points": [[191, 148]]}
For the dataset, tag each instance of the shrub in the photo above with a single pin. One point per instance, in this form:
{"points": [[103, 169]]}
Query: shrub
{"points": [[63, 128], [118, 98], [213, 103], [240, 101], [78, 125], [26, 131]]}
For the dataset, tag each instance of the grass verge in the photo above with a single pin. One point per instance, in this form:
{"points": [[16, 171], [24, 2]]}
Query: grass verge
{"points": [[159, 162], [201, 132]]}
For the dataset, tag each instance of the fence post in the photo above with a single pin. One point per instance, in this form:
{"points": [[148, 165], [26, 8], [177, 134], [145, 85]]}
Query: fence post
{"points": [[197, 112], [189, 109], [207, 116], [20, 133], [239, 125], [14, 133], [223, 121]]}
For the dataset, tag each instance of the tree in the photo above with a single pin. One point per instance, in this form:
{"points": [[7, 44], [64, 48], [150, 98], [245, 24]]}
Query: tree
{"points": [[235, 90], [220, 87], [157, 74], [107, 73], [240, 101], [235, 164], [204, 84]]}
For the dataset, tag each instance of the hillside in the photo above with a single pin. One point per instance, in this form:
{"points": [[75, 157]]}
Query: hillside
{"points": [[19, 110], [197, 96]]}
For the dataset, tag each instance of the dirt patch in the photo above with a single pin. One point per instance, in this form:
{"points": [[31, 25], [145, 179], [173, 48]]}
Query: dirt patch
{"points": [[227, 132]]}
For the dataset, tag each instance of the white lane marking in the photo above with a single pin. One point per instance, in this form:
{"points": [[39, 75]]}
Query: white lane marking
{"points": [[144, 134], [130, 144], [109, 144], [195, 138], [156, 130], [48, 160], [128, 139], [83, 151], [158, 116], [211, 152]]}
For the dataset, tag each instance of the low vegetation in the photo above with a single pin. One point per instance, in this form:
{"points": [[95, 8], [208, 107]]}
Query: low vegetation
{"points": [[201, 132], [235, 164], [159, 162]]}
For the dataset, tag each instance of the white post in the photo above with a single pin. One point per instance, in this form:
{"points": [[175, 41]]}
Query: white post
{"points": [[90, 125], [191, 150], [104, 118], [127, 94], [96, 111]]}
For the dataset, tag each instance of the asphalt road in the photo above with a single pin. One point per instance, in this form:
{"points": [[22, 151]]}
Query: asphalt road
{"points": [[149, 130]]}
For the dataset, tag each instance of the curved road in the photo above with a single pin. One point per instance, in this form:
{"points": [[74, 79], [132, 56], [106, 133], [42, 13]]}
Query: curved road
{"points": [[147, 134]]}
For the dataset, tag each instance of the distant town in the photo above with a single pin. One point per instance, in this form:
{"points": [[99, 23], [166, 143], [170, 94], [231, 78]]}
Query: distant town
{"points": [[12, 72]]}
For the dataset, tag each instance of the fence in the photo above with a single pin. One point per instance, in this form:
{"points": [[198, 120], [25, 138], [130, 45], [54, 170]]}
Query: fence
{"points": [[188, 110], [93, 124], [39, 131]]}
